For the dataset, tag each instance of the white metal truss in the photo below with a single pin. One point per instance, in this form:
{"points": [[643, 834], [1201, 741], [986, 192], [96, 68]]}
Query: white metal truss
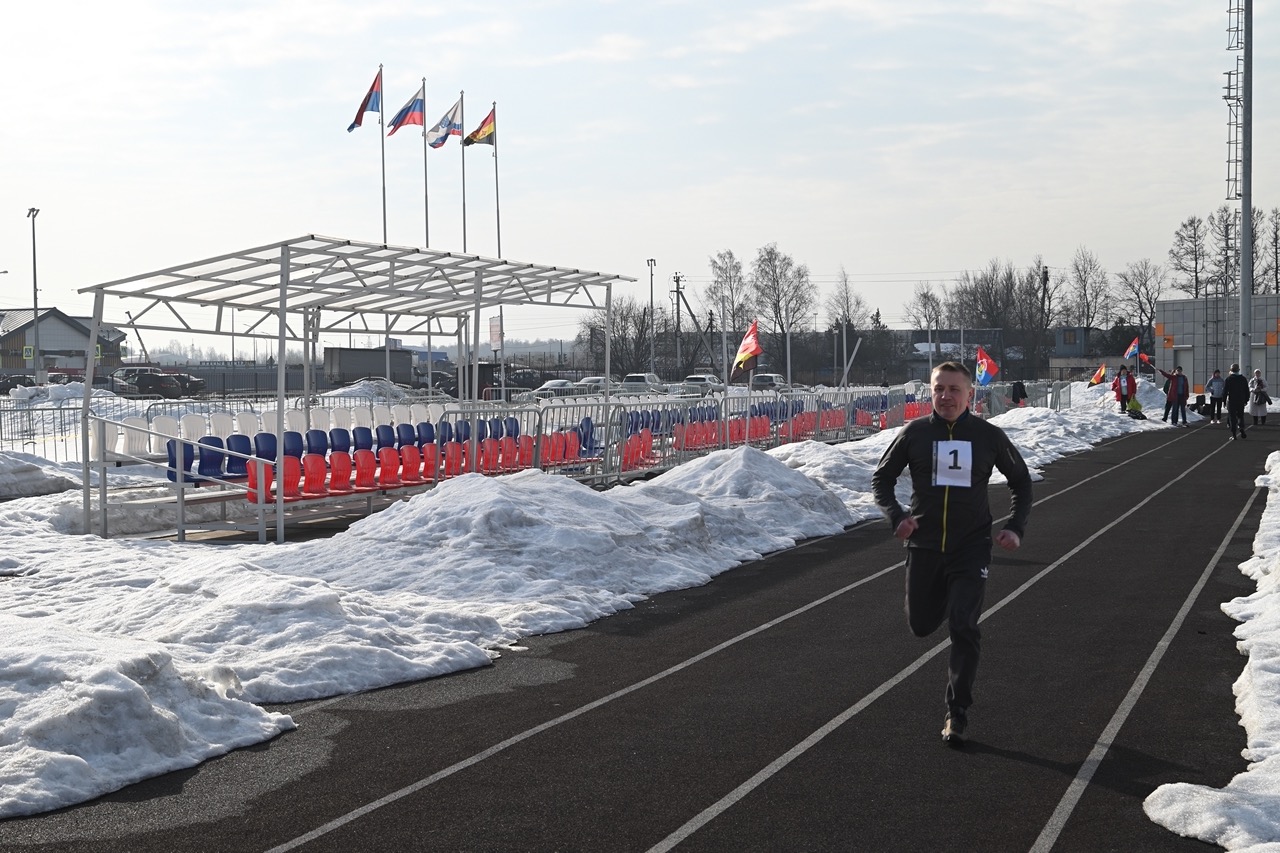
{"points": [[339, 283]]}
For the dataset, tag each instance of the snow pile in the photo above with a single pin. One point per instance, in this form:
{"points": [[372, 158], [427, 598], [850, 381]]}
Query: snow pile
{"points": [[1244, 815]]}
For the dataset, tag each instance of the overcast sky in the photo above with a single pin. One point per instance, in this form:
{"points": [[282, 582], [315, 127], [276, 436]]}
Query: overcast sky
{"points": [[900, 141]]}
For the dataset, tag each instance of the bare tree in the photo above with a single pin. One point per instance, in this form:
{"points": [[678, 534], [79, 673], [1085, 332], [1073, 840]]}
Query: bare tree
{"points": [[1262, 267], [628, 336], [982, 300], [728, 290], [781, 291], [1187, 256], [1138, 288], [924, 310], [1273, 248], [846, 306], [1036, 309], [1088, 291], [1224, 257]]}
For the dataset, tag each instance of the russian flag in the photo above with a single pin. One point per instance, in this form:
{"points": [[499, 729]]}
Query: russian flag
{"points": [[372, 102], [413, 112]]}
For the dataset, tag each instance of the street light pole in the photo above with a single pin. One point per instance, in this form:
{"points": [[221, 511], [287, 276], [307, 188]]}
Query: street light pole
{"points": [[35, 304], [653, 327]]}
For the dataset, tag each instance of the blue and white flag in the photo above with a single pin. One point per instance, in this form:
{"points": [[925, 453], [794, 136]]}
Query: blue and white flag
{"points": [[449, 125]]}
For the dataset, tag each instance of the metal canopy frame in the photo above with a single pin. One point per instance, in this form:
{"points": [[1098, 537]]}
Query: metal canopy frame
{"points": [[329, 285]]}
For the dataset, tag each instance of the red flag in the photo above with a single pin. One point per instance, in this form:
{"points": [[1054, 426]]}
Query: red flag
{"points": [[1144, 357], [748, 351], [987, 368], [1099, 376]]}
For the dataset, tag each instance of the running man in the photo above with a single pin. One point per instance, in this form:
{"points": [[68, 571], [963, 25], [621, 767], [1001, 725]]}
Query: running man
{"points": [[947, 533]]}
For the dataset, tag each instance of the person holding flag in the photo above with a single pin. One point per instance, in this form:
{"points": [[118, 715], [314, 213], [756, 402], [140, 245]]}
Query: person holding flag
{"points": [[1177, 391], [947, 531], [1125, 386]]}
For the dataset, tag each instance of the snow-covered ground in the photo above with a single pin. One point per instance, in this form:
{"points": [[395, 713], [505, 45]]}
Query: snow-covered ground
{"points": [[124, 659]]}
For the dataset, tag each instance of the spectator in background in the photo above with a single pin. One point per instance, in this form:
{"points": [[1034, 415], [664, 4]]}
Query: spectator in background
{"points": [[1259, 398], [1216, 388], [1236, 388], [1125, 387], [1177, 390]]}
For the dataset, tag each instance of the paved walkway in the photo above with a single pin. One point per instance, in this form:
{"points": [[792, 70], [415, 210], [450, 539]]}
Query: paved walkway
{"points": [[785, 705]]}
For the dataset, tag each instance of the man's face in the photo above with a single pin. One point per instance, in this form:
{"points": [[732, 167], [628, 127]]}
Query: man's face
{"points": [[951, 393]]}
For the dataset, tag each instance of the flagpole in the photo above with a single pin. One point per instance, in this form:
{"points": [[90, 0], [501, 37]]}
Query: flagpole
{"points": [[426, 204], [462, 119], [497, 198], [382, 144]]}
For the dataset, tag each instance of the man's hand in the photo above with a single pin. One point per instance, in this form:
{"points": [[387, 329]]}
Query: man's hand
{"points": [[1008, 540], [906, 527]]}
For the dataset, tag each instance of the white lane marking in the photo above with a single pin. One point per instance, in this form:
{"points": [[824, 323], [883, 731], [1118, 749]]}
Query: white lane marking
{"points": [[1058, 820], [720, 806], [444, 773]]}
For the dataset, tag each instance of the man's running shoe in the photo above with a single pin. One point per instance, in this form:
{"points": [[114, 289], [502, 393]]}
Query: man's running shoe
{"points": [[953, 729]]}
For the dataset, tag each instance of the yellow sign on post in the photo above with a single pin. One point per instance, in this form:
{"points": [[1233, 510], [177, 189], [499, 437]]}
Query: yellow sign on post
{"points": [[97, 352], [28, 352]]}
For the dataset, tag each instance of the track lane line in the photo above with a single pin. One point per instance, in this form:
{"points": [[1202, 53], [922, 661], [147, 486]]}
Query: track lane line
{"points": [[1058, 820], [515, 739], [724, 803]]}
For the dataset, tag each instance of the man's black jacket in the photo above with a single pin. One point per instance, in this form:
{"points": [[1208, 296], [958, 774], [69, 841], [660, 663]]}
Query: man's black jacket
{"points": [[951, 517]]}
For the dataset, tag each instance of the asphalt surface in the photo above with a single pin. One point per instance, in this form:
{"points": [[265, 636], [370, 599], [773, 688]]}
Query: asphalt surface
{"points": [[785, 706]]}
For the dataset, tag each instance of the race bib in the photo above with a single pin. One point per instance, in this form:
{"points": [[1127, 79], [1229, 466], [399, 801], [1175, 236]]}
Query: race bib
{"points": [[953, 463]]}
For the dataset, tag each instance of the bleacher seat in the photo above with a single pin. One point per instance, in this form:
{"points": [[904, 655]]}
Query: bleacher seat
{"points": [[388, 468], [340, 440], [406, 434], [164, 427], [221, 424], [237, 468], [211, 463], [180, 471], [426, 433], [264, 446], [385, 435], [366, 466], [340, 468], [295, 420], [361, 438], [248, 423], [293, 444], [317, 441], [133, 431], [314, 474]]}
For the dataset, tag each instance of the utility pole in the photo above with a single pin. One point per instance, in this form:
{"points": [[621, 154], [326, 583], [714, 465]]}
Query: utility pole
{"points": [[653, 327], [677, 278], [37, 363]]}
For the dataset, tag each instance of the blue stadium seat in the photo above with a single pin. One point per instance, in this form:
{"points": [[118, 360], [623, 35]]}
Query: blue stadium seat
{"points": [[385, 435], [293, 443], [317, 442], [211, 459], [362, 438], [340, 440], [264, 446], [238, 443]]}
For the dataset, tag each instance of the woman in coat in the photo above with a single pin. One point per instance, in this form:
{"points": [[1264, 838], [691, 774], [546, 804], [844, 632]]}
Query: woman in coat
{"points": [[1125, 387], [1258, 398]]}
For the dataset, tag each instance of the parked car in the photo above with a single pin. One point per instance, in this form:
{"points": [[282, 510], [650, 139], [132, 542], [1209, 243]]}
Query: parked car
{"points": [[8, 383], [592, 384], [769, 382], [554, 388], [641, 383], [160, 384], [701, 383], [191, 385]]}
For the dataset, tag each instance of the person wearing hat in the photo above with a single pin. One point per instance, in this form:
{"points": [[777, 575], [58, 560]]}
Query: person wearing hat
{"points": [[1179, 389]]}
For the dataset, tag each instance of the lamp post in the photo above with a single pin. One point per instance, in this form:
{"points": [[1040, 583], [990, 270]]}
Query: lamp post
{"points": [[652, 325], [35, 303]]}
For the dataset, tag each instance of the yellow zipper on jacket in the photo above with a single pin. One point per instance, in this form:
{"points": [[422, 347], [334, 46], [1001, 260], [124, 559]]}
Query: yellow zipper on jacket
{"points": [[946, 495]]}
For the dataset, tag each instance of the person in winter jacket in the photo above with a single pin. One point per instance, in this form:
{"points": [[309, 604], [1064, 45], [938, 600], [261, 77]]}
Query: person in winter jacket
{"points": [[1236, 388], [1258, 402], [1216, 388], [1125, 387], [947, 531], [1177, 391]]}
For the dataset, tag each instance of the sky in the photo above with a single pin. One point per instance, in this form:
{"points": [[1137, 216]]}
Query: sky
{"points": [[127, 658], [898, 142]]}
